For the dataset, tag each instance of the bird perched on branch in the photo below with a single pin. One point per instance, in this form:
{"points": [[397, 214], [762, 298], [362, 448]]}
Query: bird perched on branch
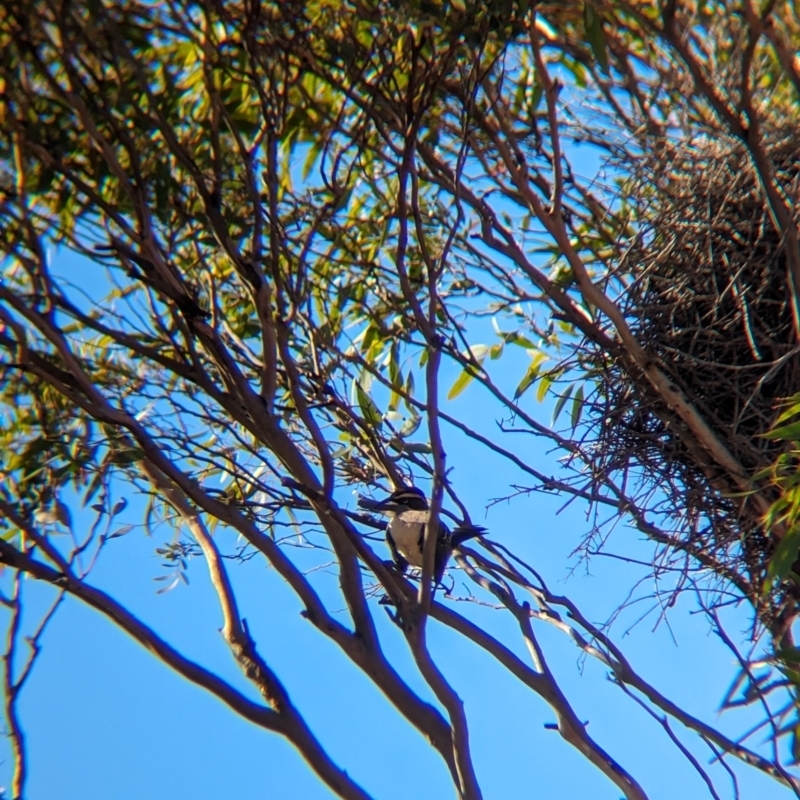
{"points": [[408, 513]]}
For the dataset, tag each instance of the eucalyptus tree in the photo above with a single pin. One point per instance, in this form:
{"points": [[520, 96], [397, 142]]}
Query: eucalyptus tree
{"points": [[305, 212]]}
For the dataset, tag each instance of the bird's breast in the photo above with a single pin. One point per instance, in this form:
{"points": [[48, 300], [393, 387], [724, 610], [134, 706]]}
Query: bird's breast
{"points": [[407, 537]]}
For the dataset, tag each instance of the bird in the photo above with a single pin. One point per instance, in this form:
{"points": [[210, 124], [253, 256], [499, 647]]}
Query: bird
{"points": [[407, 509]]}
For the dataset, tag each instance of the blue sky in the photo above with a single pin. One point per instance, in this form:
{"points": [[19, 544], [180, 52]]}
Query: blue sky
{"points": [[105, 720]]}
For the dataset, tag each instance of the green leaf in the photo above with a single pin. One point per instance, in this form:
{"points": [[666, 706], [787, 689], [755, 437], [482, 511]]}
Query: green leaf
{"points": [[63, 514], [410, 387], [790, 654], [796, 744], [593, 24], [129, 455], [396, 380], [368, 408], [535, 99], [532, 373], [464, 379], [577, 407], [544, 384], [370, 335], [790, 411], [94, 486], [786, 553], [11, 534], [528, 379], [478, 352], [312, 156], [786, 432], [560, 402], [518, 339]]}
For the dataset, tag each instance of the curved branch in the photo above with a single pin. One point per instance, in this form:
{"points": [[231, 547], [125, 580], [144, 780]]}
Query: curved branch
{"points": [[285, 721]]}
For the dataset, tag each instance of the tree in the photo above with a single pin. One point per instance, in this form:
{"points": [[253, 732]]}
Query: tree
{"points": [[305, 212]]}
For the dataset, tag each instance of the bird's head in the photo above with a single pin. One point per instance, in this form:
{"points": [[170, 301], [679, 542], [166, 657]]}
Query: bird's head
{"points": [[406, 498]]}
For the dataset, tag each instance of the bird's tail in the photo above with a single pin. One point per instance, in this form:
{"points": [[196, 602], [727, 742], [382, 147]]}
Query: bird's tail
{"points": [[464, 533]]}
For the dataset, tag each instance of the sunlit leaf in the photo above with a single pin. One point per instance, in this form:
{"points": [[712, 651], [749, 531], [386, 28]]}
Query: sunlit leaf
{"points": [[410, 427], [469, 373], [544, 384], [368, 408], [464, 379]]}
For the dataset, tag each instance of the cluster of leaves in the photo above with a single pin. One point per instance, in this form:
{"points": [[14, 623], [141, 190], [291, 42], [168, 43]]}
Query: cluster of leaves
{"points": [[784, 475]]}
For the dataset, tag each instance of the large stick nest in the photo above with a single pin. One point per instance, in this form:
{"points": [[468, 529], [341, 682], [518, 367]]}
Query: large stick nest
{"points": [[708, 294]]}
